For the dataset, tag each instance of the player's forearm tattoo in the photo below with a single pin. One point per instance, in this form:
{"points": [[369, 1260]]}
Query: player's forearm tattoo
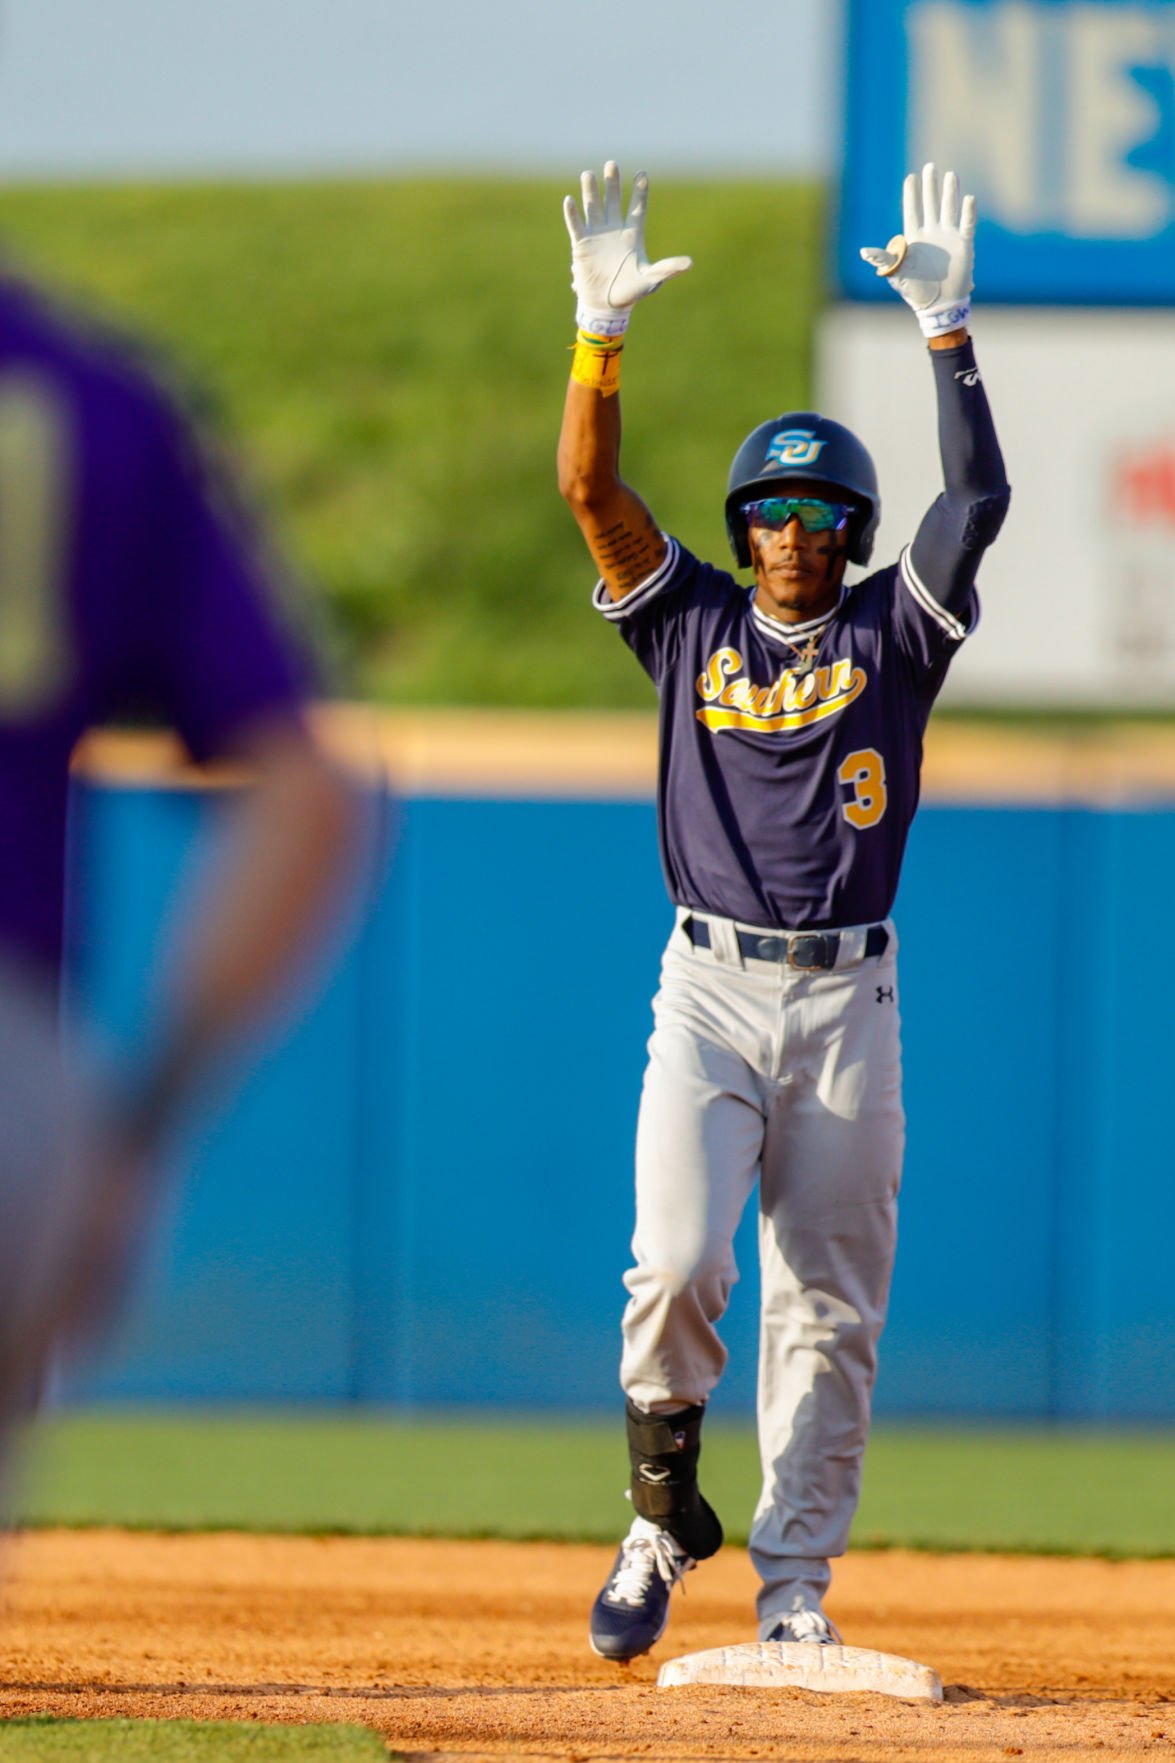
{"points": [[625, 555]]}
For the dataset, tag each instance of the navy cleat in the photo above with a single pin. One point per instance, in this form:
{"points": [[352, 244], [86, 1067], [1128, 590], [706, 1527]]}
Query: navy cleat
{"points": [[808, 1625], [631, 1612]]}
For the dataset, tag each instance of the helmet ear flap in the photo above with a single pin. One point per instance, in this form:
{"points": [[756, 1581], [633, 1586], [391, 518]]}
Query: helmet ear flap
{"points": [[862, 532], [736, 532]]}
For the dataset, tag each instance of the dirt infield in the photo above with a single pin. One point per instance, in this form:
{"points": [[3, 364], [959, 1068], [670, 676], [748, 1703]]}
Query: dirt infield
{"points": [[467, 1650]]}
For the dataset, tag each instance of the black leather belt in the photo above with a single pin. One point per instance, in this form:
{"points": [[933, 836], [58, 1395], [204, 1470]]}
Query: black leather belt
{"points": [[807, 950]]}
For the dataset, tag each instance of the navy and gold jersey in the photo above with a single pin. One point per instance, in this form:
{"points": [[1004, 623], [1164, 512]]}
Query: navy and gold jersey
{"points": [[790, 754]]}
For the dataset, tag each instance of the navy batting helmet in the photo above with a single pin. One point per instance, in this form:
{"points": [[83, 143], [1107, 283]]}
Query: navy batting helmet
{"points": [[803, 444]]}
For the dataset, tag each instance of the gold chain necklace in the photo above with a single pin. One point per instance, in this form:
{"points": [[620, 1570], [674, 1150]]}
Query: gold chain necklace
{"points": [[805, 655]]}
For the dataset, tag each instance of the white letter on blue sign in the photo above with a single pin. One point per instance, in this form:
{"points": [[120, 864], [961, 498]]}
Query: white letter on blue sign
{"points": [[1109, 114], [975, 82]]}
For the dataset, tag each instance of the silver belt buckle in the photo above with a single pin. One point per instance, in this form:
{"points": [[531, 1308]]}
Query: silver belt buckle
{"points": [[816, 942]]}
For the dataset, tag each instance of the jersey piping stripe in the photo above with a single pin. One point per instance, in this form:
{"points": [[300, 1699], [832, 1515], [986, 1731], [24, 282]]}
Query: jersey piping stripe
{"points": [[953, 626], [615, 610]]}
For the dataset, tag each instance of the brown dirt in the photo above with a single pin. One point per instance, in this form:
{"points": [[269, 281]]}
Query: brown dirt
{"points": [[478, 1650]]}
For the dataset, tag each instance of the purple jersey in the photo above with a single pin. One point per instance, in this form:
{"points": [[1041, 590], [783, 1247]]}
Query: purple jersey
{"points": [[127, 584], [789, 770]]}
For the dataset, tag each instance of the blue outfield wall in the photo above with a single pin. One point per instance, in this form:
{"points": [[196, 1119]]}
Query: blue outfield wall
{"points": [[421, 1194]]}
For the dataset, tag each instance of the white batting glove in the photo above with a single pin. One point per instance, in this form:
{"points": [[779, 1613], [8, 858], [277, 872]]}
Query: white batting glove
{"points": [[931, 261], [609, 269]]}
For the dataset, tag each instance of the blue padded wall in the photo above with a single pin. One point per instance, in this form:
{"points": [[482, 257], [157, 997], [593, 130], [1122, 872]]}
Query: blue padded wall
{"points": [[420, 1191]]}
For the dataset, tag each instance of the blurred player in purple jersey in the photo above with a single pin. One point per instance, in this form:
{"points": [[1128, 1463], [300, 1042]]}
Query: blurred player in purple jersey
{"points": [[130, 583], [792, 716]]}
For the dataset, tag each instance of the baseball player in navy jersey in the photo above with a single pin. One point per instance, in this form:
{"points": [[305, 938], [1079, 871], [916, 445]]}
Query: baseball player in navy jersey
{"points": [[130, 583], [792, 714]]}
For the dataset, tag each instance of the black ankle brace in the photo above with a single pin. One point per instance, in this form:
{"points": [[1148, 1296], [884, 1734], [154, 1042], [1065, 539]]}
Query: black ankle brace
{"points": [[663, 1450]]}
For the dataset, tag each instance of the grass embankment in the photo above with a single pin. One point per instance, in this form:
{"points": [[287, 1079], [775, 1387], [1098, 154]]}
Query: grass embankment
{"points": [[42, 1739], [1034, 1491], [393, 357]]}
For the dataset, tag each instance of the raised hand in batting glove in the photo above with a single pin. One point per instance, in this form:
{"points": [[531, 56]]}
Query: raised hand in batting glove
{"points": [[610, 270], [931, 261]]}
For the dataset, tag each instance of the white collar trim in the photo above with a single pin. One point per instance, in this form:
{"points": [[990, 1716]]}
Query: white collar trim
{"points": [[790, 634]]}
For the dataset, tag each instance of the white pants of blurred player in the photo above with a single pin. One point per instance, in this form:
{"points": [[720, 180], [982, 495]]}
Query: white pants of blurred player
{"points": [[761, 1073]]}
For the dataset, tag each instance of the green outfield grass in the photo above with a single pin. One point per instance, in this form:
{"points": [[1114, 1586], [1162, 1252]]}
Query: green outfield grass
{"points": [[393, 357], [42, 1739], [1036, 1491]]}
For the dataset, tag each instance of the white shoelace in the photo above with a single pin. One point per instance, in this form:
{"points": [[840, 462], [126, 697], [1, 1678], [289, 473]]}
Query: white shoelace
{"points": [[808, 1625], [644, 1552]]}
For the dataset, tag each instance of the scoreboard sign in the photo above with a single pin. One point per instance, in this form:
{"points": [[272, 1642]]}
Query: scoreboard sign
{"points": [[1058, 114]]}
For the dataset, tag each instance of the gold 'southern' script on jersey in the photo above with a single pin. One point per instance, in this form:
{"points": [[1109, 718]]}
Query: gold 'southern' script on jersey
{"points": [[792, 701]]}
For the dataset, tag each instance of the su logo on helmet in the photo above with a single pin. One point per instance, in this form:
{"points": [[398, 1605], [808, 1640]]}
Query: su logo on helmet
{"points": [[793, 447]]}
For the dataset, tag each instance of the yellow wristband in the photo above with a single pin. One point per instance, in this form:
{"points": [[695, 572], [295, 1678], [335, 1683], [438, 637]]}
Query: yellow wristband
{"points": [[597, 367]]}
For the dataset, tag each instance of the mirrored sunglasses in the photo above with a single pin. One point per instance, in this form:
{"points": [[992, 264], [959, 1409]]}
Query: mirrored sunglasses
{"points": [[813, 514]]}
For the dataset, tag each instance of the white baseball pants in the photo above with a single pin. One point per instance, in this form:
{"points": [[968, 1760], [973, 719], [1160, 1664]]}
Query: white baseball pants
{"points": [[758, 1071]]}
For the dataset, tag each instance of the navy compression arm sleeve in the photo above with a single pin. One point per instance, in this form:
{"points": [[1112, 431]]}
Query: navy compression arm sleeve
{"points": [[961, 524]]}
